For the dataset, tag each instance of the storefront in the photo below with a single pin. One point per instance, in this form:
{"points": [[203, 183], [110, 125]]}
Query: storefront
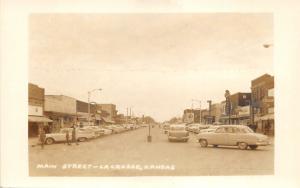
{"points": [[35, 123], [265, 124]]}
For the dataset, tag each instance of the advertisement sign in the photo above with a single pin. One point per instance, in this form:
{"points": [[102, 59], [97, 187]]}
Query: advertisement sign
{"points": [[35, 110]]}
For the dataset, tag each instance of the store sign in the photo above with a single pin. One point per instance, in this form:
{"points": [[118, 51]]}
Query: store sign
{"points": [[35, 110], [271, 110], [271, 92], [245, 110]]}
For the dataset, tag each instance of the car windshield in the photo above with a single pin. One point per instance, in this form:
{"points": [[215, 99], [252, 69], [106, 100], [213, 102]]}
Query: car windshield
{"points": [[177, 128]]}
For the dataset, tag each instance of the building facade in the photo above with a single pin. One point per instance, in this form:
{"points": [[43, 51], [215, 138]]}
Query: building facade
{"points": [[36, 118], [86, 117], [238, 102], [263, 103], [61, 109], [191, 116], [108, 111]]}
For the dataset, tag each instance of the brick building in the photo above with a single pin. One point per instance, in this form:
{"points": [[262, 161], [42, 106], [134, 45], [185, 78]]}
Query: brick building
{"points": [[263, 103], [239, 102], [61, 109], [108, 111], [36, 118]]}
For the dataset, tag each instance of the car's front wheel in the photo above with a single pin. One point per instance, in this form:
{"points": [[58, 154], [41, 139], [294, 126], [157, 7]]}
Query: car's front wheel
{"points": [[243, 145], [49, 141], [203, 142], [253, 147]]}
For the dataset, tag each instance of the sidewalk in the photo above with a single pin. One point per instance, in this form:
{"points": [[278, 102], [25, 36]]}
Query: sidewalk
{"points": [[33, 141]]}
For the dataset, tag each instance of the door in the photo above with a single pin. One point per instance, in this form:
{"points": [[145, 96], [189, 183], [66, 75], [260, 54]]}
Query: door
{"points": [[233, 135], [219, 137]]}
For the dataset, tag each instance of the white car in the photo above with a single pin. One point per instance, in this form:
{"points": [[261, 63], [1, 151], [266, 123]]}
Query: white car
{"points": [[209, 129], [107, 131], [97, 131], [233, 135], [81, 135]]}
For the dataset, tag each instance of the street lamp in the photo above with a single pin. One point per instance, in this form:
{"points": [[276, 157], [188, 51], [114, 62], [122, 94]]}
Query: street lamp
{"points": [[209, 112], [89, 107], [228, 105], [267, 45], [200, 119]]}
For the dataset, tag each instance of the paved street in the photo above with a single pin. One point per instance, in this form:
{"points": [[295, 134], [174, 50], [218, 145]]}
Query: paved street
{"points": [[136, 157]]}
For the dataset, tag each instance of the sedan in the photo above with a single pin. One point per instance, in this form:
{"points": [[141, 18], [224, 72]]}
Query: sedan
{"points": [[233, 135], [178, 132], [81, 135]]}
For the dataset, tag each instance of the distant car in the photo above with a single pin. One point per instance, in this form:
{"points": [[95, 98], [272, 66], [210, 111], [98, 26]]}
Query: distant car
{"points": [[233, 135], [127, 126], [81, 135], [178, 132], [166, 128], [196, 127]]}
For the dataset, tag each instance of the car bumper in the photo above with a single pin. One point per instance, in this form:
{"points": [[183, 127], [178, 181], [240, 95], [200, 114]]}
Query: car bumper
{"points": [[263, 143], [178, 138]]}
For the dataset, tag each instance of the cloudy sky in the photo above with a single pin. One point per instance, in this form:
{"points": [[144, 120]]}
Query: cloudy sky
{"points": [[154, 63]]}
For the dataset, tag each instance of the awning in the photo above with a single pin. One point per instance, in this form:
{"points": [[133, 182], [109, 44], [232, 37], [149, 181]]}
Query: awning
{"points": [[265, 117], [39, 119], [97, 117]]}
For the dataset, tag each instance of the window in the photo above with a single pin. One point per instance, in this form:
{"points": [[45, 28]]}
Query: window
{"points": [[220, 130], [229, 130], [236, 130]]}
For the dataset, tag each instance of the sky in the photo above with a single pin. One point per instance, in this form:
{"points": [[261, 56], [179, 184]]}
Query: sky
{"points": [[155, 64]]}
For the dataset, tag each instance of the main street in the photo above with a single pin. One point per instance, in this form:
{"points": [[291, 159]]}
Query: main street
{"points": [[129, 154]]}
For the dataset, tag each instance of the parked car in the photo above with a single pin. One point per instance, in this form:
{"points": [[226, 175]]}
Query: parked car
{"points": [[233, 135], [106, 131], [127, 126], [211, 128], [115, 128], [178, 132], [81, 135], [166, 128], [196, 127], [97, 131]]}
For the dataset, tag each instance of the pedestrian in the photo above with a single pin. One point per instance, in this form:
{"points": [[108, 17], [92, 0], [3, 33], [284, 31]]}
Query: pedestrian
{"points": [[68, 138], [42, 138], [74, 140], [267, 128], [254, 127]]}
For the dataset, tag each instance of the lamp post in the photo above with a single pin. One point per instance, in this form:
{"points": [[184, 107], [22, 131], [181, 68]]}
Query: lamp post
{"points": [[89, 107], [200, 117], [228, 105], [209, 112]]}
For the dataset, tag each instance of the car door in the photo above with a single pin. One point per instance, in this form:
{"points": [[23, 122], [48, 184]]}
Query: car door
{"points": [[233, 135], [61, 136], [219, 137]]}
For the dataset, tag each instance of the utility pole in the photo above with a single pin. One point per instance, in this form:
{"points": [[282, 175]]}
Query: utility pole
{"points": [[89, 106], [127, 115], [228, 105], [200, 116], [209, 112]]}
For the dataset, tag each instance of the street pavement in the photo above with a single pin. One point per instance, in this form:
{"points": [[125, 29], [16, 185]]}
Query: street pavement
{"points": [[129, 154]]}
